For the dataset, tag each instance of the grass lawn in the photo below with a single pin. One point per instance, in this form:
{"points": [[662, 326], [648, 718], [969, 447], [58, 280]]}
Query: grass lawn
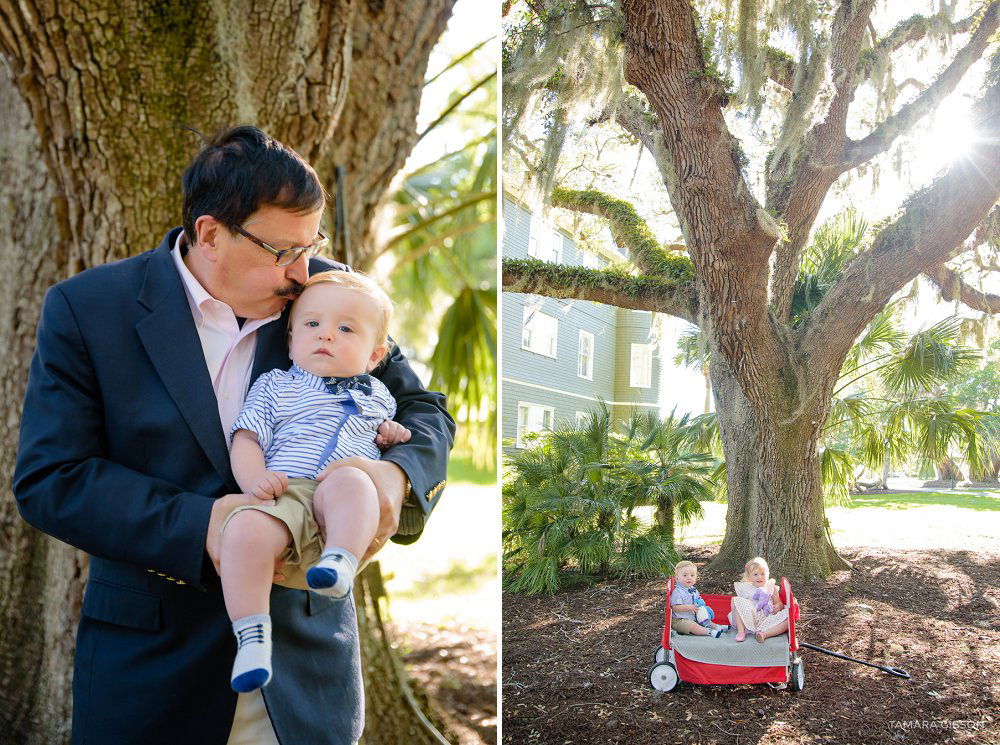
{"points": [[444, 601], [450, 574], [919, 520]]}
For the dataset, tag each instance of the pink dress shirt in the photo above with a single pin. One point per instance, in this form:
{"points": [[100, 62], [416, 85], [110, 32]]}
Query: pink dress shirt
{"points": [[229, 349]]}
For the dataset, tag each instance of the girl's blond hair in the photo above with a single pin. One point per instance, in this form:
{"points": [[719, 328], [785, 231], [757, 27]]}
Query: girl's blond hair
{"points": [[756, 561]]}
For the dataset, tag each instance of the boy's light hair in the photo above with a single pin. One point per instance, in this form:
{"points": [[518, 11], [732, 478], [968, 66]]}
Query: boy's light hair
{"points": [[361, 283], [756, 561], [684, 565]]}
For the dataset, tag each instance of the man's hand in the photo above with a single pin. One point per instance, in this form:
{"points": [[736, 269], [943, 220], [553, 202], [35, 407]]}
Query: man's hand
{"points": [[270, 485], [391, 433], [220, 511], [390, 483]]}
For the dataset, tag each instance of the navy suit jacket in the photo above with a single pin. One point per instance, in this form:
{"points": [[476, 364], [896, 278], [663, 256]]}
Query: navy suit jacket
{"points": [[122, 454]]}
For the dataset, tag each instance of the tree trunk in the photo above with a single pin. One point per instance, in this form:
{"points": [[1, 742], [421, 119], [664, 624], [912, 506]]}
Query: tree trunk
{"points": [[392, 711], [885, 468], [775, 496], [41, 580], [93, 148], [665, 521]]}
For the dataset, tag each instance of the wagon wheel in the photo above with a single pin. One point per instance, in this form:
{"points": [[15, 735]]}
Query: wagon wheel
{"points": [[663, 677], [660, 655], [797, 679]]}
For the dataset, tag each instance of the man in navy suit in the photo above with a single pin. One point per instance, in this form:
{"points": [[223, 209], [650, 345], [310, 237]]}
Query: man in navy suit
{"points": [[139, 370]]}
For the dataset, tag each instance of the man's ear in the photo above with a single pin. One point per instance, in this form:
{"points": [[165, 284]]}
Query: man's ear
{"points": [[206, 231]]}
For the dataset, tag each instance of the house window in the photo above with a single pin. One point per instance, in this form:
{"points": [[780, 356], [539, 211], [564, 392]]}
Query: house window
{"points": [[641, 367], [544, 242], [532, 418], [585, 364], [539, 332], [589, 260], [581, 419]]}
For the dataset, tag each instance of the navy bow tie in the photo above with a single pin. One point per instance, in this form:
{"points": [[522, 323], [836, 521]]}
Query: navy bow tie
{"points": [[361, 383]]}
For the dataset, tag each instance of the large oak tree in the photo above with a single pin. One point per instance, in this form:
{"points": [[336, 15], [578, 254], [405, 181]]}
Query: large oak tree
{"points": [[94, 98], [654, 68]]}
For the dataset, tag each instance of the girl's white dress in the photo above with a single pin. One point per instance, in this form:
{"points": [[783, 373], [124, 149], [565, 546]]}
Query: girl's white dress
{"points": [[753, 619]]}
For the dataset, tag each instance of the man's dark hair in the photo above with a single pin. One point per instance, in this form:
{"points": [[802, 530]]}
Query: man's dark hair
{"points": [[240, 170]]}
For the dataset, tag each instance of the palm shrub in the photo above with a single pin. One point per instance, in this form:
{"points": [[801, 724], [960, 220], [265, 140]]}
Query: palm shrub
{"points": [[892, 404], [570, 502]]}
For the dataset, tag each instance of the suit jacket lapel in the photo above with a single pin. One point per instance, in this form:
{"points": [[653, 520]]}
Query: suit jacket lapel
{"points": [[171, 340]]}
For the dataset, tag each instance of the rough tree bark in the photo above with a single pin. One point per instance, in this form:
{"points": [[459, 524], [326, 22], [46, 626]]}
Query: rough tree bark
{"points": [[93, 98], [773, 378]]}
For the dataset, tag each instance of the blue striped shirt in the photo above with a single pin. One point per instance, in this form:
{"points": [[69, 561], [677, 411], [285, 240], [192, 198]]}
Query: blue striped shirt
{"points": [[296, 419]]}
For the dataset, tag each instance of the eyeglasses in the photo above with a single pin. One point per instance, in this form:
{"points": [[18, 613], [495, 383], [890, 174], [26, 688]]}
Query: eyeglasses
{"points": [[287, 256]]}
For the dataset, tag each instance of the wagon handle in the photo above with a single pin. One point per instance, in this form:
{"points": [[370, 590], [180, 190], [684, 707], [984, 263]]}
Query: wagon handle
{"points": [[897, 671]]}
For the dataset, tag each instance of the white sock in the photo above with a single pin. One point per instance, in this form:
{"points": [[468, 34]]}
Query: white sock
{"points": [[252, 666], [334, 573]]}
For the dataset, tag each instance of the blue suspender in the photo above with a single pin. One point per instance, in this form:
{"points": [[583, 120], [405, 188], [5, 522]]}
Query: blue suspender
{"points": [[350, 408]]}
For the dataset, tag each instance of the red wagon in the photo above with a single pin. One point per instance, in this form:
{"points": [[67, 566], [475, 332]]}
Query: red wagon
{"points": [[706, 660]]}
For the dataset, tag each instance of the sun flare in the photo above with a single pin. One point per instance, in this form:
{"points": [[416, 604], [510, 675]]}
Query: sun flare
{"points": [[949, 135]]}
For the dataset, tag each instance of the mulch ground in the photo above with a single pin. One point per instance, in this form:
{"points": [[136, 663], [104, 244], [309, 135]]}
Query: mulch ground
{"points": [[575, 664], [457, 668]]}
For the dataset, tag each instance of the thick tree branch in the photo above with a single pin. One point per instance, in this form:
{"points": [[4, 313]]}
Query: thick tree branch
{"points": [[729, 237], [781, 68], [953, 287], [635, 118], [673, 297], [882, 137], [989, 229], [663, 59], [911, 30], [934, 224], [628, 230], [799, 178]]}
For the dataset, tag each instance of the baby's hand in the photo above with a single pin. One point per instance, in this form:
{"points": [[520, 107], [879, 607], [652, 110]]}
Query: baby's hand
{"points": [[391, 433], [270, 485]]}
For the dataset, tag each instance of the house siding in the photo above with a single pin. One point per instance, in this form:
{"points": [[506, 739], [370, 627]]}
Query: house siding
{"points": [[535, 378]]}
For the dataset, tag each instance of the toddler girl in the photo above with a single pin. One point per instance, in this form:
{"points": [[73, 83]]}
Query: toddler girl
{"points": [[756, 606]]}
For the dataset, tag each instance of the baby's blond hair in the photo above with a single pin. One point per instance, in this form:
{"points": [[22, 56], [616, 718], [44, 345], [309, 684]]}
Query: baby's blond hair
{"points": [[756, 561], [365, 285], [684, 565]]}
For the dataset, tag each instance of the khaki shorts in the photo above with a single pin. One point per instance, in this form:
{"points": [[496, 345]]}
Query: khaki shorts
{"points": [[294, 509], [682, 625]]}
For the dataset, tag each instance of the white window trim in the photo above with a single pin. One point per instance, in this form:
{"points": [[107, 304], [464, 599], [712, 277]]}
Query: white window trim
{"points": [[635, 381], [549, 238], [580, 355], [530, 313], [581, 417], [522, 407]]}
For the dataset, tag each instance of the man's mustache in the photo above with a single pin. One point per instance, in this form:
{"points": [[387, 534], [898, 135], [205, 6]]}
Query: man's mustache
{"points": [[291, 290]]}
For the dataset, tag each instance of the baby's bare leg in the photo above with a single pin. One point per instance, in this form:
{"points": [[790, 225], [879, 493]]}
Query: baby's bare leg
{"points": [[346, 506], [695, 629], [251, 542]]}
